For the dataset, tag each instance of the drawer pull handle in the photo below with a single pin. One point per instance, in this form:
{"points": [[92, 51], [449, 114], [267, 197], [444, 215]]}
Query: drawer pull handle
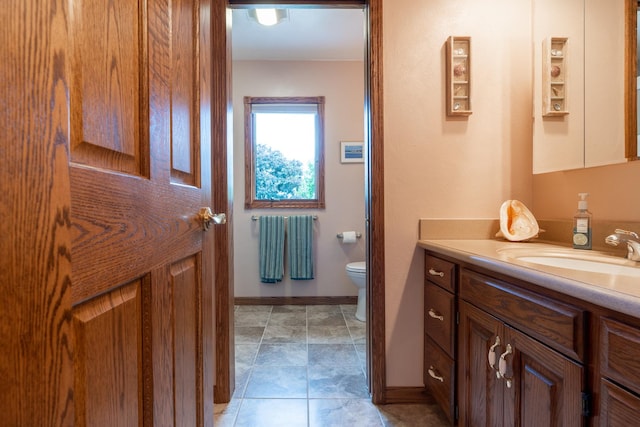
{"points": [[432, 373], [503, 363], [434, 315], [436, 273], [492, 353]]}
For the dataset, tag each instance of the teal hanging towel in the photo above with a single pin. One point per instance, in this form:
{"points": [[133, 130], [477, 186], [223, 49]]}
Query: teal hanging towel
{"points": [[271, 248], [300, 245]]}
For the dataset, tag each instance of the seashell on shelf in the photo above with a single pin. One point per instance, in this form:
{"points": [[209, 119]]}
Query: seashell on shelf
{"points": [[555, 71], [459, 70], [517, 223]]}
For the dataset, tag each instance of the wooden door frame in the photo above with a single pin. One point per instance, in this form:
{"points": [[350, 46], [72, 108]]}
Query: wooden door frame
{"points": [[374, 194]]}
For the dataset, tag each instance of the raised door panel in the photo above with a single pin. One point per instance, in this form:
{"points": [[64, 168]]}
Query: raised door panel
{"points": [[185, 153], [108, 113], [177, 343], [108, 376], [618, 407], [480, 395], [542, 387], [185, 287], [620, 346]]}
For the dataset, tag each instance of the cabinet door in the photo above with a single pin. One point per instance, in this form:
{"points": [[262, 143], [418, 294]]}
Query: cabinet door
{"points": [[618, 407], [480, 392], [541, 386]]}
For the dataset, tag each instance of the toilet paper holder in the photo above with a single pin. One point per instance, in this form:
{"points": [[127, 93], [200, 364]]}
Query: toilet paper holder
{"points": [[340, 236]]}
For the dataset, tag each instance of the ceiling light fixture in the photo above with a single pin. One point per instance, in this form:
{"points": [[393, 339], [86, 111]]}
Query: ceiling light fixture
{"points": [[268, 17]]}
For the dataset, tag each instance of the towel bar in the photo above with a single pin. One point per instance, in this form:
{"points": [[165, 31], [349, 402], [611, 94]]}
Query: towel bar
{"points": [[256, 217]]}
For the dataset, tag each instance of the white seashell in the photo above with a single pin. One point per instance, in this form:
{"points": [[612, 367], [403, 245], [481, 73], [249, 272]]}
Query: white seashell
{"points": [[517, 223]]}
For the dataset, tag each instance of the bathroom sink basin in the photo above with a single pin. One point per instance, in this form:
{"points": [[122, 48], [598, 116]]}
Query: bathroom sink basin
{"points": [[572, 259]]}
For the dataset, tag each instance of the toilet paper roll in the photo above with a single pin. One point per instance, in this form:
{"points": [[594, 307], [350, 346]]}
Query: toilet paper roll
{"points": [[349, 237]]}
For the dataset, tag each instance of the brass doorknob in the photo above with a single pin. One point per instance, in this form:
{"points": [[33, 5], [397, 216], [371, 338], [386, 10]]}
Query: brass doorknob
{"points": [[208, 217]]}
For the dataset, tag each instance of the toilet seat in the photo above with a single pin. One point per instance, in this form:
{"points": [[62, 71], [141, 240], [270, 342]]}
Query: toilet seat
{"points": [[357, 267]]}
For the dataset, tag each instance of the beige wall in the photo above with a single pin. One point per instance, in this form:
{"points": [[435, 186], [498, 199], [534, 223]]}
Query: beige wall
{"points": [[437, 167], [342, 84], [611, 188]]}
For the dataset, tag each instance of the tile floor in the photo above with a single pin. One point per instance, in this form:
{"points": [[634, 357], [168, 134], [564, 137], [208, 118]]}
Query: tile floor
{"points": [[304, 366]]}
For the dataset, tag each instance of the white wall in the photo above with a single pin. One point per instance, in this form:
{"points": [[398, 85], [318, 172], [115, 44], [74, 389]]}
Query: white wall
{"points": [[437, 167], [342, 84]]}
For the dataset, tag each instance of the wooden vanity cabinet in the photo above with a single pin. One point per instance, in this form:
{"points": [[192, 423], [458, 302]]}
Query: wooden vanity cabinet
{"points": [[516, 356], [440, 337], [500, 351]]}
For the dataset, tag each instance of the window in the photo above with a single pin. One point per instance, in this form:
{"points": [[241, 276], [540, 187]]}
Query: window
{"points": [[284, 152]]}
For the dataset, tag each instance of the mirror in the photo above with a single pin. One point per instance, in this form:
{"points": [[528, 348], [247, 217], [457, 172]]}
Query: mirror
{"points": [[592, 130]]}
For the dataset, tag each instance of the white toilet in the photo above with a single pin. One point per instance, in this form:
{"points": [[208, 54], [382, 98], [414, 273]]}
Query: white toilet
{"points": [[357, 272]]}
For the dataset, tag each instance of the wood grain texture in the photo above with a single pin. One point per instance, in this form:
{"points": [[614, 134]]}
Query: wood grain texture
{"points": [[187, 345], [480, 396], [438, 302], [619, 350], [408, 395], [113, 213], [222, 140], [440, 272], [546, 386], [106, 96], [206, 16], [36, 371], [630, 79], [374, 188], [559, 325], [108, 359], [442, 365], [185, 111], [129, 226], [618, 407]]}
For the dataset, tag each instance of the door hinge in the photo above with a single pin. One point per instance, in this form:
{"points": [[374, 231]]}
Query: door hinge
{"points": [[586, 404], [457, 317]]}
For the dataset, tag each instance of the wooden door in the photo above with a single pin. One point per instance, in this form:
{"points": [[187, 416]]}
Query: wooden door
{"points": [[545, 386], [142, 266], [480, 392], [36, 352]]}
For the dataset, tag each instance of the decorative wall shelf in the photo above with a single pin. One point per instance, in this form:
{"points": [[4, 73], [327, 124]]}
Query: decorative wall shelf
{"points": [[458, 76], [554, 77]]}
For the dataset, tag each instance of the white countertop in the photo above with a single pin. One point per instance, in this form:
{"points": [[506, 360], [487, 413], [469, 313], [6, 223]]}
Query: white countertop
{"points": [[617, 292]]}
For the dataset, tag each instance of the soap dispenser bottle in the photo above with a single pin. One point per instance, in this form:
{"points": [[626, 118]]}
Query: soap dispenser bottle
{"points": [[582, 224]]}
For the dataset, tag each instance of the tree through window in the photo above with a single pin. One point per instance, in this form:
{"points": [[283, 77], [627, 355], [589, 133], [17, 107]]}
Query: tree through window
{"points": [[284, 152]]}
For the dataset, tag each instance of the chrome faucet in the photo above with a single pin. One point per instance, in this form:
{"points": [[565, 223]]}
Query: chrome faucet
{"points": [[630, 238]]}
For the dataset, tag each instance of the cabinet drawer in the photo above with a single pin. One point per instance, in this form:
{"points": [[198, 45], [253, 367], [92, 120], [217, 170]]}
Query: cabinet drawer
{"points": [[559, 325], [439, 379], [440, 272], [619, 351], [439, 316]]}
